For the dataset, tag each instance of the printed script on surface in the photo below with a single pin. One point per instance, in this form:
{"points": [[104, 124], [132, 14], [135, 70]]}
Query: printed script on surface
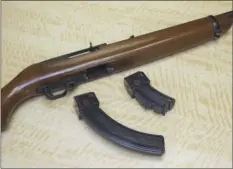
{"points": [[44, 133]]}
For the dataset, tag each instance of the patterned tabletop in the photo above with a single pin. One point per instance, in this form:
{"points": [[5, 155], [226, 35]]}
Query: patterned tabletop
{"points": [[45, 133]]}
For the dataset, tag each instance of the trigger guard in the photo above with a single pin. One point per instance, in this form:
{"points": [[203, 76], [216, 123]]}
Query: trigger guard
{"points": [[49, 94]]}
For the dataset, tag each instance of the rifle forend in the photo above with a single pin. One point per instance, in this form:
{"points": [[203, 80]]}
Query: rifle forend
{"points": [[67, 71]]}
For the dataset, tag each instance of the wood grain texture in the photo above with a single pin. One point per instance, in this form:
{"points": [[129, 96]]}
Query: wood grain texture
{"points": [[43, 133]]}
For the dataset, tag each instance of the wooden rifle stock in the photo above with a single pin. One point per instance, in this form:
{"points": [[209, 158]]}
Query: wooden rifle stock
{"points": [[67, 71]]}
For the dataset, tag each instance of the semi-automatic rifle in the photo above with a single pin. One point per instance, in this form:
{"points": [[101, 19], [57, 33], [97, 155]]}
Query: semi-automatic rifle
{"points": [[65, 72]]}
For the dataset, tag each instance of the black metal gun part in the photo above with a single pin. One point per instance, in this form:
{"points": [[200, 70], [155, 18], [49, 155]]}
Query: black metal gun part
{"points": [[89, 110], [138, 87]]}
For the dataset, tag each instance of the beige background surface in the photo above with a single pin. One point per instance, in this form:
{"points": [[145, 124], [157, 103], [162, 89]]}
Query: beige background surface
{"points": [[43, 133]]}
